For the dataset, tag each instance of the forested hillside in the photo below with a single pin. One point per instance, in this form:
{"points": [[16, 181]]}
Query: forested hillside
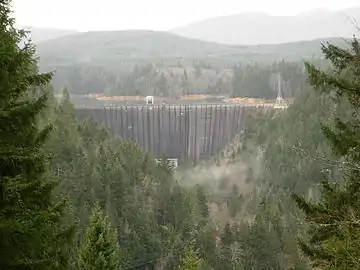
{"points": [[283, 195], [163, 64], [233, 209], [255, 80], [159, 217], [250, 193], [113, 46], [265, 81], [139, 196]]}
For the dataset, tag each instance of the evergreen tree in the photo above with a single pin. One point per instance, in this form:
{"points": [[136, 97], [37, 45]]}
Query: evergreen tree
{"points": [[191, 259], [334, 232], [32, 235], [202, 202], [100, 250], [234, 202]]}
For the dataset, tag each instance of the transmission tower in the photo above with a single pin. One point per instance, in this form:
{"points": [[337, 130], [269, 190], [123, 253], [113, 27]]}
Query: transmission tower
{"points": [[280, 99]]}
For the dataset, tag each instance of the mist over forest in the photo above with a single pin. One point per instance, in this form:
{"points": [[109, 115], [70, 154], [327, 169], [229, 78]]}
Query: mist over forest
{"points": [[228, 143]]}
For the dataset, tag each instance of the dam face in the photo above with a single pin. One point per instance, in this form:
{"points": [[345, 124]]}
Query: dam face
{"points": [[184, 132]]}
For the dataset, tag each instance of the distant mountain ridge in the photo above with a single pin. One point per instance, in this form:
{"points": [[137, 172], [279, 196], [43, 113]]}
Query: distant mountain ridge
{"points": [[88, 46], [261, 28], [108, 47], [253, 28]]}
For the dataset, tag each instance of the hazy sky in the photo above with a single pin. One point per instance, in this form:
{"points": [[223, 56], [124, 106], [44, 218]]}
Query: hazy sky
{"points": [[87, 15]]}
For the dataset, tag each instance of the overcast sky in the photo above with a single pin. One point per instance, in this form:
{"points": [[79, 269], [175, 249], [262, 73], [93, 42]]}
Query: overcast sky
{"points": [[85, 15]]}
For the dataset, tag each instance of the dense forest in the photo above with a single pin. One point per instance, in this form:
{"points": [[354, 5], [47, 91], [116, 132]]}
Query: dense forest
{"points": [[162, 64], [140, 62], [286, 197], [151, 79], [254, 80]]}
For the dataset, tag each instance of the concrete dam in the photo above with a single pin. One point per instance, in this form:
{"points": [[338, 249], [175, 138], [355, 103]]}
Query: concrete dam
{"points": [[187, 133]]}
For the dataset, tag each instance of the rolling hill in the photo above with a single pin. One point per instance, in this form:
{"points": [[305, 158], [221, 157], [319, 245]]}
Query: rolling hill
{"points": [[117, 63], [261, 28], [114, 46]]}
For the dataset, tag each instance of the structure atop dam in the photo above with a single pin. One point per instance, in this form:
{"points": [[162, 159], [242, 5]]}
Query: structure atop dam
{"points": [[187, 133]]}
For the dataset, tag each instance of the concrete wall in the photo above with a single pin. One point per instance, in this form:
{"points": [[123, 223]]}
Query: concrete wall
{"points": [[186, 132]]}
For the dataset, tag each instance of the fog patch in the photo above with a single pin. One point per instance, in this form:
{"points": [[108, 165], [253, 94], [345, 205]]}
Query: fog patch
{"points": [[221, 175]]}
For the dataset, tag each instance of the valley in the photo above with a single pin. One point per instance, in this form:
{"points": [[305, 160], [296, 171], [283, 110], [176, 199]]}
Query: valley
{"points": [[228, 143]]}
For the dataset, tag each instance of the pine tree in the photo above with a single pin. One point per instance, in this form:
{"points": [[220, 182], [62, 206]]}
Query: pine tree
{"points": [[202, 202], [100, 250], [31, 231], [191, 259], [334, 232]]}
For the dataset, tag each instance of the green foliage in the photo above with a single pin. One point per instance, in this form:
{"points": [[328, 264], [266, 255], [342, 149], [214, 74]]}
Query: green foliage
{"points": [[263, 81], [332, 241], [86, 63], [104, 48], [235, 201], [202, 202], [295, 148], [191, 259], [264, 222], [154, 216], [157, 221], [31, 218], [142, 79], [99, 249]]}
